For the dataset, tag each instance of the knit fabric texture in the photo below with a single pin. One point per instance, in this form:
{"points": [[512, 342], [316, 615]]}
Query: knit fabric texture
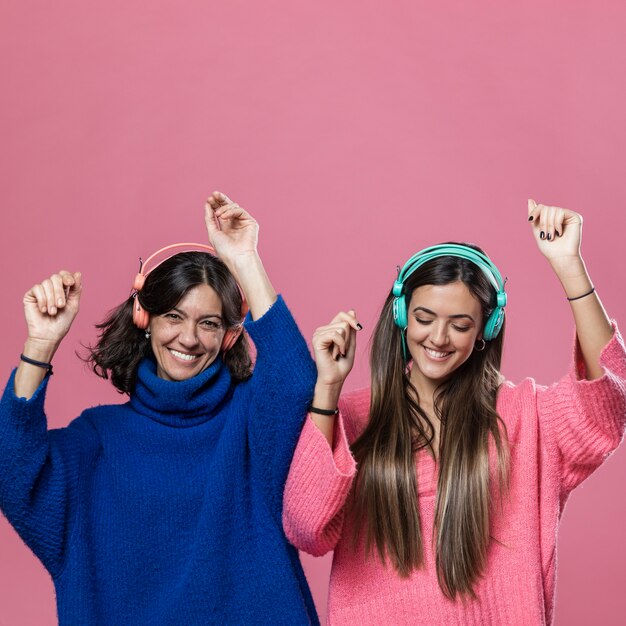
{"points": [[558, 435], [168, 509]]}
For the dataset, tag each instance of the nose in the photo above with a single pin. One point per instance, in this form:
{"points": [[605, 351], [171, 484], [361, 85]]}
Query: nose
{"points": [[439, 334], [188, 336]]}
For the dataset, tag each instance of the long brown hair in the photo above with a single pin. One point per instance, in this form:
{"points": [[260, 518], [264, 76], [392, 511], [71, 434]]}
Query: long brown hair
{"points": [[386, 488]]}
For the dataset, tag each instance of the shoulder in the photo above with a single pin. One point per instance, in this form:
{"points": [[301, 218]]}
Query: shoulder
{"points": [[354, 408], [93, 420]]}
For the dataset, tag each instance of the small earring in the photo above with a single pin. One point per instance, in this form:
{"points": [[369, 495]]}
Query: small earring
{"points": [[147, 334], [482, 347]]}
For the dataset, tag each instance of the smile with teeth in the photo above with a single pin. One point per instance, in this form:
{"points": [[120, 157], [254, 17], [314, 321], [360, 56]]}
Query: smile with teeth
{"points": [[434, 354], [183, 356]]}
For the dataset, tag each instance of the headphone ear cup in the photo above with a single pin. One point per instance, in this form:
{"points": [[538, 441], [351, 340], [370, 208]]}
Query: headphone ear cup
{"points": [[493, 324], [230, 338], [399, 312], [141, 317]]}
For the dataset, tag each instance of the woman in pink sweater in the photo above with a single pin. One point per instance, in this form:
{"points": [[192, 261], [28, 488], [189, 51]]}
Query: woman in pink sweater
{"points": [[462, 476]]}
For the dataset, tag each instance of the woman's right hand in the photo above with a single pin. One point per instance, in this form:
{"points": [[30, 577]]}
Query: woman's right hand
{"points": [[50, 308], [334, 346]]}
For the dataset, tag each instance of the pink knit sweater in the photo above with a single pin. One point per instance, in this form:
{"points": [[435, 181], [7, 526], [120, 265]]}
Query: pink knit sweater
{"points": [[558, 436]]}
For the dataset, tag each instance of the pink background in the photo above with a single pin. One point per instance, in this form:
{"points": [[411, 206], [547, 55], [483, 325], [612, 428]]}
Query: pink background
{"points": [[357, 133]]}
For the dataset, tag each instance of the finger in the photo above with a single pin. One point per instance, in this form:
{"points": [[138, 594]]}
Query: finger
{"points": [[210, 220], [532, 210], [332, 337], [349, 317], [38, 295], [76, 288], [48, 290], [58, 290], [231, 211], [222, 198], [559, 218], [542, 221], [351, 344], [550, 214]]}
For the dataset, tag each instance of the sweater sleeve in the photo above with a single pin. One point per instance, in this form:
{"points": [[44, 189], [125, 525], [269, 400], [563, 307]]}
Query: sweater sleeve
{"points": [[39, 471], [281, 387], [583, 420], [319, 483]]}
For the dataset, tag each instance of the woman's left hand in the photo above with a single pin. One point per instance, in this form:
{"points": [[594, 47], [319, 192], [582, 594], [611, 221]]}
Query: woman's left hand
{"points": [[557, 231], [233, 232]]}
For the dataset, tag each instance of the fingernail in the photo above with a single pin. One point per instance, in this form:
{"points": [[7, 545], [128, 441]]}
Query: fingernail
{"points": [[542, 235], [359, 326], [557, 233], [549, 236], [337, 357], [530, 219]]}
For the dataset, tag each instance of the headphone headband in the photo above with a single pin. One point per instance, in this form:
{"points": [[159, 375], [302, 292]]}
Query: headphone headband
{"points": [[493, 324]]}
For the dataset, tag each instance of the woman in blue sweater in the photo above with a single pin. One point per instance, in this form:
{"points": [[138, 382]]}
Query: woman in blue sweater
{"points": [[166, 509]]}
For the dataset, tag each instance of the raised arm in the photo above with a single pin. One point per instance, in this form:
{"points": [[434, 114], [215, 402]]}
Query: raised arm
{"points": [[323, 469], [50, 308], [558, 234], [234, 234], [334, 347], [40, 469]]}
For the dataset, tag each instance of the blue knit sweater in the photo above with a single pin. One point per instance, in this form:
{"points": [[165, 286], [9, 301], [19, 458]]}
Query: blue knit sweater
{"points": [[167, 509]]}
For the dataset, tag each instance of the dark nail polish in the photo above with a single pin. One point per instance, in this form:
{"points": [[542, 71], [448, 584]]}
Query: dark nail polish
{"points": [[530, 219], [359, 326], [557, 233], [542, 235], [549, 236]]}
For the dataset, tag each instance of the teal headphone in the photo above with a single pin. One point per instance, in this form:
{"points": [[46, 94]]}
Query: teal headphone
{"points": [[493, 325]]}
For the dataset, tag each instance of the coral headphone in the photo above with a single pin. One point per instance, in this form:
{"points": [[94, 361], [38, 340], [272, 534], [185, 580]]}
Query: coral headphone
{"points": [[493, 325], [141, 317]]}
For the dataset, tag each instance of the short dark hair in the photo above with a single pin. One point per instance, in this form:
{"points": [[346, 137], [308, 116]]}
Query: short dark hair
{"points": [[121, 345]]}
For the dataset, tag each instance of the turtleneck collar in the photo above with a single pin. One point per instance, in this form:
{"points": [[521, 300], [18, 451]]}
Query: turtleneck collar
{"points": [[183, 403]]}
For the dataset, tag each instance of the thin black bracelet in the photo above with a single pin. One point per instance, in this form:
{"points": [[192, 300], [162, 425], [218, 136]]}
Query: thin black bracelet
{"points": [[314, 409], [584, 295], [46, 366]]}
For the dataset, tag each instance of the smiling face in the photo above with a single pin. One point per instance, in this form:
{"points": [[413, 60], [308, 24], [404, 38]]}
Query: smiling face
{"points": [[186, 339], [445, 321]]}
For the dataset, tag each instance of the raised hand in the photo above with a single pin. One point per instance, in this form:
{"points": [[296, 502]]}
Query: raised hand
{"points": [[232, 230], [234, 233], [334, 346], [51, 306], [557, 232]]}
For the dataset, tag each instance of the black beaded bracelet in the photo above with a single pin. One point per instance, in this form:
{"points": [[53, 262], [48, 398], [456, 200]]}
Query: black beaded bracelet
{"points": [[583, 296], [314, 409], [46, 366]]}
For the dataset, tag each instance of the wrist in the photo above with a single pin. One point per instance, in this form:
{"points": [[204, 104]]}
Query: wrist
{"points": [[40, 349], [567, 268], [326, 396]]}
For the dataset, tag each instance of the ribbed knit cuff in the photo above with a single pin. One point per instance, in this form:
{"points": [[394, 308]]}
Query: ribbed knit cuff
{"points": [[20, 406]]}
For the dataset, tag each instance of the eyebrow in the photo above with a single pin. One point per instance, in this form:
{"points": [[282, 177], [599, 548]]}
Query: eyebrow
{"points": [[202, 317], [452, 317]]}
